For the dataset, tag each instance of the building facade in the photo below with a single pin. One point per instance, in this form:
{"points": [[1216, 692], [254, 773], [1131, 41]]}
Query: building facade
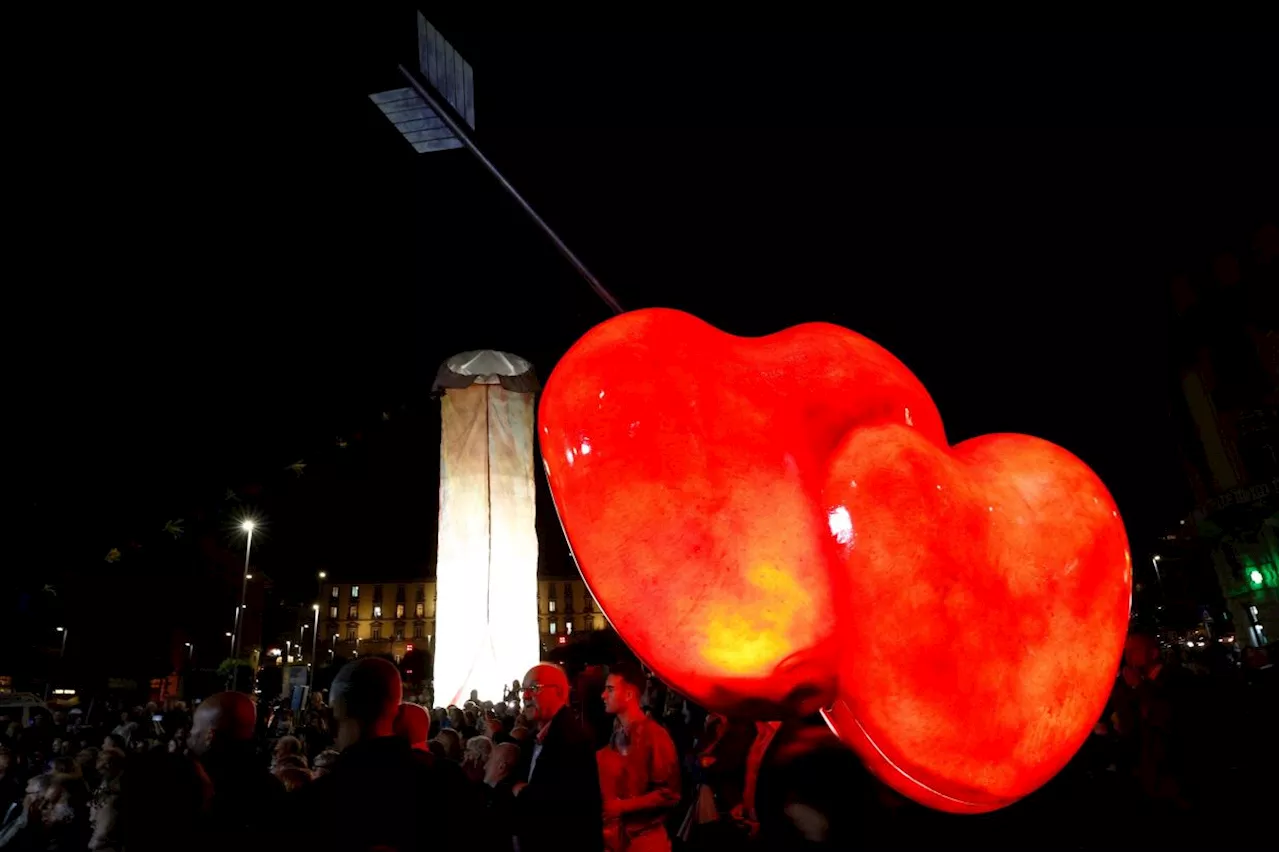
{"points": [[395, 618], [565, 609], [1225, 410], [377, 618]]}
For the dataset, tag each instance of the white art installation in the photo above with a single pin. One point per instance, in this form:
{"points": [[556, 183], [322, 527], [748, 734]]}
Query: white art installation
{"points": [[487, 561]]}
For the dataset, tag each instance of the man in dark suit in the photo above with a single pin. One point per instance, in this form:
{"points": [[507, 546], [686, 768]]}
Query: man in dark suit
{"points": [[380, 794], [559, 806]]}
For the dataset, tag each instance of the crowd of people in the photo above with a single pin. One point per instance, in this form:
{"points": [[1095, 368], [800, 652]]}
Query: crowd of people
{"points": [[607, 760]]}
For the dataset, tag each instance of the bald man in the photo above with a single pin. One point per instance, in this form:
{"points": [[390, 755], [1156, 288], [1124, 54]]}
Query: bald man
{"points": [[559, 805], [413, 723], [380, 793], [245, 794], [222, 719]]}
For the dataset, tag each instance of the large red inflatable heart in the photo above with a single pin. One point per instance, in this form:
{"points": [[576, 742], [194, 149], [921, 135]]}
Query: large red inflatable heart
{"points": [[775, 524], [983, 605], [687, 467]]}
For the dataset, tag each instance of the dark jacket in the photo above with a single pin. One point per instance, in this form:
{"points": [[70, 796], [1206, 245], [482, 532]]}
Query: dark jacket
{"points": [[560, 808], [381, 794], [497, 823], [246, 796]]}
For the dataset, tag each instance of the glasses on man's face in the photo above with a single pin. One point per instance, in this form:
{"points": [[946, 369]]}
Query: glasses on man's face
{"points": [[535, 688]]}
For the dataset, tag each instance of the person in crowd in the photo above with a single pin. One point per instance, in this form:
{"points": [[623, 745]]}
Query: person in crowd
{"points": [[23, 827], [64, 815], [104, 823], [812, 792], [451, 742], [294, 778], [413, 724], [289, 761], [10, 787], [166, 797], [745, 812], [314, 733], [644, 784], [475, 757], [286, 747], [87, 765], [499, 769], [497, 826], [109, 768], [245, 795], [558, 806], [324, 762], [377, 776]]}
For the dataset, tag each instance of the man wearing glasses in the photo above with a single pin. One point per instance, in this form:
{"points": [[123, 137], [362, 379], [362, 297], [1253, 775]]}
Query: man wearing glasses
{"points": [[559, 805]]}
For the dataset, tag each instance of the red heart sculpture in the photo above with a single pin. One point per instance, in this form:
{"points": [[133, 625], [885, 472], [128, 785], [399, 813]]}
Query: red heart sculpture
{"points": [[983, 605], [687, 467]]}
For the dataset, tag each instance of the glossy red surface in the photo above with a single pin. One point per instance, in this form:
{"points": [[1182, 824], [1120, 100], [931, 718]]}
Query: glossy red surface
{"points": [[982, 594], [776, 524], [687, 466]]}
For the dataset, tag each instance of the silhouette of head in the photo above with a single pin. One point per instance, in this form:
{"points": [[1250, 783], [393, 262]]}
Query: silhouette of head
{"points": [[365, 697], [223, 719], [413, 724]]}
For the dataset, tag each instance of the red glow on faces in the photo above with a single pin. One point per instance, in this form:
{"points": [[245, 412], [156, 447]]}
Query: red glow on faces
{"points": [[964, 607]]}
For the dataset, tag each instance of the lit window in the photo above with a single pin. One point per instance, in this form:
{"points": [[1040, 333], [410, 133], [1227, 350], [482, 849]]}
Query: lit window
{"points": [[377, 630], [377, 611], [353, 611], [551, 606], [553, 627], [333, 611], [399, 610], [333, 592], [568, 627], [420, 610], [355, 591]]}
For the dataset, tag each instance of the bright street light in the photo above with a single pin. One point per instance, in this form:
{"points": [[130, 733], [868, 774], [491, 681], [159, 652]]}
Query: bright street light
{"points": [[315, 633], [323, 575], [237, 641]]}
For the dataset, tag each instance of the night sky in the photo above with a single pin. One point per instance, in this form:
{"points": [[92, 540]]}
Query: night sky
{"points": [[232, 261]]}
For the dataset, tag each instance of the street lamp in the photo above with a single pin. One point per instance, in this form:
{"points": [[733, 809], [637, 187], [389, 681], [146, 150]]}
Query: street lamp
{"points": [[248, 526], [232, 637], [191, 651], [62, 652], [1155, 563], [315, 631]]}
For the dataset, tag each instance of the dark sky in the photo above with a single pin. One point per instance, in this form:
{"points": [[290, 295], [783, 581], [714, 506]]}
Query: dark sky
{"points": [[232, 260]]}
